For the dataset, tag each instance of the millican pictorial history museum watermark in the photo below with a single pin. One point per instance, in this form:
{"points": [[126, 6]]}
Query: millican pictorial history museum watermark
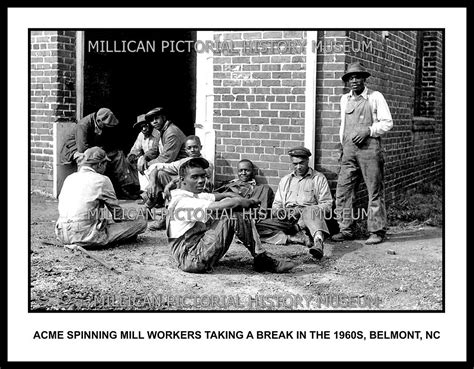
{"points": [[227, 47], [203, 215], [287, 301]]}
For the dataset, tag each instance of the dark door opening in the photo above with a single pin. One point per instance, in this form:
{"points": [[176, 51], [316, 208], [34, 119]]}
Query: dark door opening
{"points": [[132, 83]]}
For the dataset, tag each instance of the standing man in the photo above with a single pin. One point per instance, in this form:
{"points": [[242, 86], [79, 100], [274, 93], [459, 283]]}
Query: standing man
{"points": [[301, 203], [84, 197], [100, 129], [198, 241], [365, 117], [170, 147]]}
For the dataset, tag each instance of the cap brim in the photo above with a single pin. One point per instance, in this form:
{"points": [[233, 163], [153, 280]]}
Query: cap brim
{"points": [[346, 76]]}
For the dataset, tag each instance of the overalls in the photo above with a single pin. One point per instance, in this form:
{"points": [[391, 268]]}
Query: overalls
{"points": [[366, 160]]}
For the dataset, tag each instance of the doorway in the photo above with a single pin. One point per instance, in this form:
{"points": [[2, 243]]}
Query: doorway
{"points": [[132, 83]]}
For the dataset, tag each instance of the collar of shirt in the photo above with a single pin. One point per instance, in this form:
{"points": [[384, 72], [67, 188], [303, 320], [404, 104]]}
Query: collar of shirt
{"points": [[252, 182], [165, 127], [309, 173], [363, 94], [183, 193], [86, 168]]}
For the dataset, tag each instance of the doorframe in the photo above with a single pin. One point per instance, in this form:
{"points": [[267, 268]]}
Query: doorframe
{"points": [[204, 124], [310, 95]]}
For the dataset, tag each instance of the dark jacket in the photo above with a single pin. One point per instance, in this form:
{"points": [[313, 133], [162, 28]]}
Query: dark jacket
{"points": [[173, 140], [84, 136]]}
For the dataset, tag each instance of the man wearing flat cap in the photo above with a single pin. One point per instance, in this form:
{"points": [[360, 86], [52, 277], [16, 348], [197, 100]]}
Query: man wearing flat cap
{"points": [[100, 129], [199, 237], [82, 202], [301, 202], [365, 118], [143, 144]]}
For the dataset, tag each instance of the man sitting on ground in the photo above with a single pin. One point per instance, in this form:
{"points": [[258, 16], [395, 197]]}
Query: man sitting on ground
{"points": [[198, 243], [163, 174], [246, 185], [301, 202], [82, 202]]}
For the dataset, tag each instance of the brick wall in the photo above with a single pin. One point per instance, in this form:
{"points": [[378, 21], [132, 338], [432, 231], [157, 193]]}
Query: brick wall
{"points": [[331, 64], [428, 129], [413, 155], [259, 102], [52, 98]]}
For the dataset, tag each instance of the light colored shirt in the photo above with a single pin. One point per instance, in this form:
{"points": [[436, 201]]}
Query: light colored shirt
{"points": [[381, 117], [185, 209], [84, 193], [310, 190], [173, 167], [143, 144]]}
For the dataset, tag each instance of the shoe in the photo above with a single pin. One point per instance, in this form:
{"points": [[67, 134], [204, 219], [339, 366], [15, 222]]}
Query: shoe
{"points": [[301, 238], [158, 225], [265, 263], [339, 237], [317, 250], [374, 239]]}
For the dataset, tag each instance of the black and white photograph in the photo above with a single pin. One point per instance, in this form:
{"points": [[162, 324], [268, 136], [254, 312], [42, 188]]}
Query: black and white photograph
{"points": [[322, 186], [290, 170]]}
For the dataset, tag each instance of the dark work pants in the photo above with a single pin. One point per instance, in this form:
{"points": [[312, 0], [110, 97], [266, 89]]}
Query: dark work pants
{"points": [[364, 162], [204, 244]]}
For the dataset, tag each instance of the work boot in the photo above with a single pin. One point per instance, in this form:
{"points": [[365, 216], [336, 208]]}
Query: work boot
{"points": [[339, 237], [301, 238], [317, 250], [265, 263], [374, 238]]}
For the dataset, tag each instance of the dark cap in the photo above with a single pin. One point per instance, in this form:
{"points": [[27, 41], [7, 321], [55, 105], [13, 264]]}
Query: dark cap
{"points": [[299, 151], [106, 117], [94, 155], [140, 120], [154, 112], [355, 68]]}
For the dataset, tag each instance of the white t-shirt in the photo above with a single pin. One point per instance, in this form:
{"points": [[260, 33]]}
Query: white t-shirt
{"points": [[185, 209]]}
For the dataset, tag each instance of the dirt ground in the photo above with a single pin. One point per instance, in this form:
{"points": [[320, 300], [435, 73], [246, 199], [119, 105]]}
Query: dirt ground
{"points": [[403, 273]]}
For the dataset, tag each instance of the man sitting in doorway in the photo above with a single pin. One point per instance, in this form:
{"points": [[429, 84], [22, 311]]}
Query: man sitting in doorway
{"points": [[143, 144], [170, 146]]}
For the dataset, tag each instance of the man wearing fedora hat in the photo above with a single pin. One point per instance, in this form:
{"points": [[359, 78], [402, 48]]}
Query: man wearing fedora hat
{"points": [[365, 118], [299, 210], [100, 129], [170, 146], [144, 142], [82, 202]]}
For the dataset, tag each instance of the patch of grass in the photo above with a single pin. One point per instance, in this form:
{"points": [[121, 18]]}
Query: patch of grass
{"points": [[424, 205]]}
